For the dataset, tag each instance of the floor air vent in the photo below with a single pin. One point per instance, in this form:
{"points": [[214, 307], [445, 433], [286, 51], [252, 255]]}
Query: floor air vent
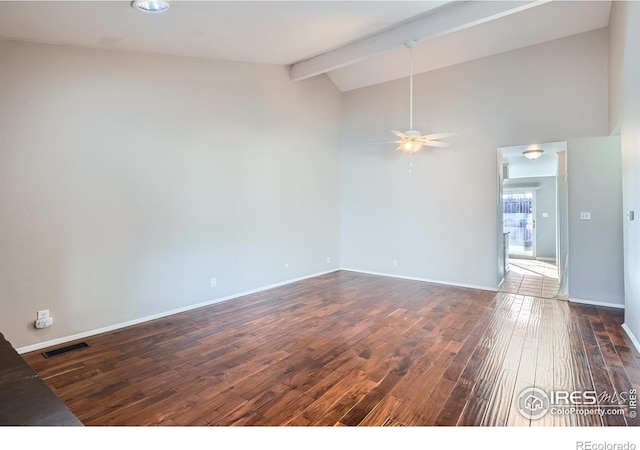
{"points": [[63, 350]]}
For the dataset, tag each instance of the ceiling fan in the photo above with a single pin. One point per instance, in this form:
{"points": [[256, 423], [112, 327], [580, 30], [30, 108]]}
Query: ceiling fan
{"points": [[411, 141]]}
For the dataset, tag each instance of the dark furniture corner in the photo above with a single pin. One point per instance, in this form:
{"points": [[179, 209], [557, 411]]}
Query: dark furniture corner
{"points": [[25, 399]]}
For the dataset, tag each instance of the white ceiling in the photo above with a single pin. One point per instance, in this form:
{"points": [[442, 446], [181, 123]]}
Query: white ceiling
{"points": [[249, 31], [287, 32]]}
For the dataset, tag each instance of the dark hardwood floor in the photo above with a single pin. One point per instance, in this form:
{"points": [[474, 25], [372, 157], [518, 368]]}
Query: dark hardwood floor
{"points": [[348, 349]]}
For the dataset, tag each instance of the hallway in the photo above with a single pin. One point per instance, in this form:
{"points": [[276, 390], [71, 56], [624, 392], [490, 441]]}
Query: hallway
{"points": [[531, 277]]}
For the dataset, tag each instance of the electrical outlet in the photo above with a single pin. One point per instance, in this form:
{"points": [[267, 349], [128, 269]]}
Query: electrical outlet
{"points": [[214, 282], [395, 263], [43, 314], [286, 265], [44, 323], [328, 259], [585, 215]]}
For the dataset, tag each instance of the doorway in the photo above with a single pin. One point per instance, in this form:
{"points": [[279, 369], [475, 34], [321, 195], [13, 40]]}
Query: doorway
{"points": [[532, 220], [519, 223]]}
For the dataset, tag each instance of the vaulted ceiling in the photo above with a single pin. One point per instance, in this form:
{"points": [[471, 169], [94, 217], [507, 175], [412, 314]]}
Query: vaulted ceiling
{"points": [[357, 43]]}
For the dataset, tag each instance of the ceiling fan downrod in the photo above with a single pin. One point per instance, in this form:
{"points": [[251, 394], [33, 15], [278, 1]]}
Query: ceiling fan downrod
{"points": [[410, 45]]}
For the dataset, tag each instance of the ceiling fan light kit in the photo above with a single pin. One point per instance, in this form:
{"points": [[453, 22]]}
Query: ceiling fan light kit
{"points": [[409, 142], [412, 140]]}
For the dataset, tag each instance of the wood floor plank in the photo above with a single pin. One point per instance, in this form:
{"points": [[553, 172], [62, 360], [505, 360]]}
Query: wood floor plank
{"points": [[473, 412], [503, 395], [525, 375], [316, 410], [348, 400], [601, 380], [563, 379], [361, 409], [582, 380], [245, 410], [451, 411], [544, 377], [381, 413], [347, 349]]}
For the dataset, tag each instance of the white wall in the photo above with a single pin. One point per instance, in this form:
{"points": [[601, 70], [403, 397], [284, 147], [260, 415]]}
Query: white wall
{"points": [[624, 65], [617, 36], [128, 180], [545, 166], [595, 246], [439, 221]]}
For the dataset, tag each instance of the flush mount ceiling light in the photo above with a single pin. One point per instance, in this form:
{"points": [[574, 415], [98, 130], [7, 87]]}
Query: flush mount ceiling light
{"points": [[151, 6], [533, 153]]}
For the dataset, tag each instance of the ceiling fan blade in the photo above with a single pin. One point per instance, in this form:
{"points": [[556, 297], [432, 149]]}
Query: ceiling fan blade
{"points": [[430, 137], [400, 134], [436, 144], [384, 142]]}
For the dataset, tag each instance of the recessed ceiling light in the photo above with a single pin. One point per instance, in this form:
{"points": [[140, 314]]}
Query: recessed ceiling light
{"points": [[154, 6]]}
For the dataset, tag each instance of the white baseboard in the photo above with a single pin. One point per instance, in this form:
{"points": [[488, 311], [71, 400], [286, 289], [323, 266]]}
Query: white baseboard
{"points": [[402, 277], [62, 340], [84, 334], [592, 303], [631, 336], [542, 258]]}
